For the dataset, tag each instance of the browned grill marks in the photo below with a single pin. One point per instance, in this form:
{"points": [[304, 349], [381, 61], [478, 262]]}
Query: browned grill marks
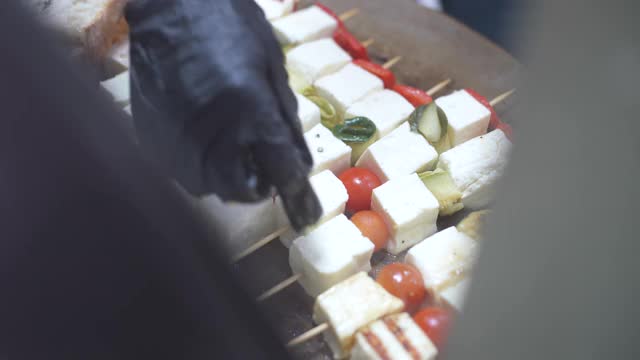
{"points": [[402, 338], [376, 344]]}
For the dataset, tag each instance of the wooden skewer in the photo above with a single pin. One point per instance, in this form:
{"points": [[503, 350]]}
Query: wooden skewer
{"points": [[502, 97], [349, 14], [276, 289], [267, 239], [389, 64], [368, 42], [308, 335], [439, 86]]}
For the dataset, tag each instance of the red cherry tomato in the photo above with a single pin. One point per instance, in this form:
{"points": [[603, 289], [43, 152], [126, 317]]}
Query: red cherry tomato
{"points": [[350, 44], [326, 9], [435, 322], [405, 282], [372, 225], [416, 97], [360, 183], [385, 75], [494, 121]]}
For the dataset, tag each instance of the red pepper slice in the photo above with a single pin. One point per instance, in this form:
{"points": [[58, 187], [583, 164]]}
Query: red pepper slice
{"points": [[326, 9], [415, 96], [385, 75], [350, 44], [494, 121]]}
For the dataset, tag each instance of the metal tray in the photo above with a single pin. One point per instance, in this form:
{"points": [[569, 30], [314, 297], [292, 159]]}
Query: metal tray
{"points": [[433, 47]]}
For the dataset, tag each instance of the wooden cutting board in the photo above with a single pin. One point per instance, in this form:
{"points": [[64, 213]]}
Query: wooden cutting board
{"points": [[433, 47]]}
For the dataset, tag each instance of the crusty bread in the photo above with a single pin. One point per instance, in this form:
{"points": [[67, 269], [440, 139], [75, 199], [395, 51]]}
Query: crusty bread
{"points": [[93, 25]]}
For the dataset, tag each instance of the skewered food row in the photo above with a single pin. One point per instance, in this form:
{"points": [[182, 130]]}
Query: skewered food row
{"points": [[354, 112]]}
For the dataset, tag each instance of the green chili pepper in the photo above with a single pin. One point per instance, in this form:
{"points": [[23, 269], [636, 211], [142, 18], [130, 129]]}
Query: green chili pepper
{"points": [[356, 130]]}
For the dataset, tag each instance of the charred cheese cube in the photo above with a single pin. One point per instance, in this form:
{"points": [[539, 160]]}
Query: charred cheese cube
{"points": [[349, 306], [395, 337]]}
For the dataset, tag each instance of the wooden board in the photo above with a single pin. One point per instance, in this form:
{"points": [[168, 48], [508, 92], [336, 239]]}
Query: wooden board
{"points": [[434, 47]]}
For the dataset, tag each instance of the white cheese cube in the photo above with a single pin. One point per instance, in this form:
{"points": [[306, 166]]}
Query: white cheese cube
{"points": [[409, 209], [118, 87], [333, 199], [329, 254], [304, 25], [400, 153], [328, 151], [443, 258], [467, 117], [456, 294], [275, 9], [308, 113], [117, 60], [317, 58], [346, 86], [241, 225], [349, 306], [395, 337], [386, 108], [476, 167]]}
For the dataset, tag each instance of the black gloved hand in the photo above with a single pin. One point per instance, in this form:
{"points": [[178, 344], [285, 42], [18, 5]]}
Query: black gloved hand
{"points": [[212, 104]]}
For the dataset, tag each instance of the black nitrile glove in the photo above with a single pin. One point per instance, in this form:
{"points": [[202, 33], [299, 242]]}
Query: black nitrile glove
{"points": [[212, 104]]}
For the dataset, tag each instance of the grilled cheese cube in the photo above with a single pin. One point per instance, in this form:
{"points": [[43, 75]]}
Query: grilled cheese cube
{"points": [[304, 25], [476, 166], [395, 337], [346, 86], [327, 151], [467, 117], [400, 153], [275, 9], [349, 306], [386, 108], [118, 87], [443, 258], [333, 199], [456, 294], [409, 209], [329, 254], [308, 113], [315, 59]]}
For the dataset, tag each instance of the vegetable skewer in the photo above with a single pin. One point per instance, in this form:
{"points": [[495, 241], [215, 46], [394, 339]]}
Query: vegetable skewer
{"points": [[292, 279], [267, 239]]}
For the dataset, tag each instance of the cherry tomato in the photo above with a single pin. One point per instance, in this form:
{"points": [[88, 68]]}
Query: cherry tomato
{"points": [[372, 225], [494, 121], [350, 44], [405, 282], [385, 75], [435, 322], [413, 95], [360, 183]]}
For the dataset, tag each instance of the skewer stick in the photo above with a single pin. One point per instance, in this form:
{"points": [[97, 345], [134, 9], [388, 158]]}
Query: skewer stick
{"points": [[267, 239], [389, 64], [308, 335], [439, 86], [274, 290], [349, 14], [502, 97], [368, 42]]}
